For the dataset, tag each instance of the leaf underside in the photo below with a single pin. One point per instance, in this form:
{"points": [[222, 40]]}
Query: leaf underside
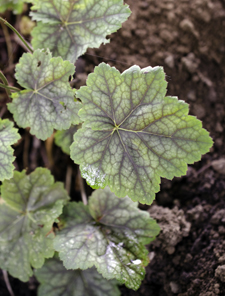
{"points": [[8, 137], [29, 206], [110, 234], [47, 102], [132, 134], [64, 139], [69, 27], [57, 281]]}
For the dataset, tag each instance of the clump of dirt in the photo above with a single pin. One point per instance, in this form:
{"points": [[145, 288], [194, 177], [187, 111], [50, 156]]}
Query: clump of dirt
{"points": [[173, 227], [220, 273]]}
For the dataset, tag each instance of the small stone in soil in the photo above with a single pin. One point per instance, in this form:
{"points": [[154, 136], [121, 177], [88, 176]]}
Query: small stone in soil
{"points": [[174, 287], [169, 61], [220, 273], [219, 165]]}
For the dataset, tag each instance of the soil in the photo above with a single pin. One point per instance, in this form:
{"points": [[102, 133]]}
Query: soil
{"points": [[187, 38]]}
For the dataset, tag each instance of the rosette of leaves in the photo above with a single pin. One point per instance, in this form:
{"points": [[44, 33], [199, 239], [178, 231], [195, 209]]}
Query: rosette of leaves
{"points": [[48, 101], [8, 136], [133, 134], [64, 139], [28, 208], [110, 234], [15, 5], [69, 27], [56, 280]]}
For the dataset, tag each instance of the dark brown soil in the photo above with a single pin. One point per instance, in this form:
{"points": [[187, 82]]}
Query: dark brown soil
{"points": [[187, 38]]}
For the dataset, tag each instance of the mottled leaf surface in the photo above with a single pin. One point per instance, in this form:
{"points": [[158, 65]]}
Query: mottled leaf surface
{"points": [[69, 27], [48, 101], [29, 206], [8, 137], [15, 5], [110, 234], [56, 280], [132, 134], [64, 139]]}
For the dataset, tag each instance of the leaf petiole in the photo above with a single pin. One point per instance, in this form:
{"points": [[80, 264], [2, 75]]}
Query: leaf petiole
{"points": [[17, 33], [5, 81], [9, 88]]}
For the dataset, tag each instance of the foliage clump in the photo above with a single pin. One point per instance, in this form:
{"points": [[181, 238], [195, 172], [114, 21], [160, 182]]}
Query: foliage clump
{"points": [[123, 132]]}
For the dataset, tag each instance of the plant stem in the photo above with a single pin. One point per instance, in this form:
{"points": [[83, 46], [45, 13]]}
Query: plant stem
{"points": [[9, 88], [34, 153], [6, 84], [8, 44], [48, 148], [6, 279], [3, 78], [17, 33], [26, 151], [83, 193], [69, 172]]}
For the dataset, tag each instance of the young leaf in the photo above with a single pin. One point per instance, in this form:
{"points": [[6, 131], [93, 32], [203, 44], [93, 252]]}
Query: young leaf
{"points": [[110, 234], [47, 101], [69, 27], [64, 139], [57, 281], [29, 207], [8, 137], [132, 134], [15, 5]]}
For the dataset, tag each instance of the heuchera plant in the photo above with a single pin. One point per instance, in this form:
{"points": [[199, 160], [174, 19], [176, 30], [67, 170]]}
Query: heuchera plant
{"points": [[130, 135]]}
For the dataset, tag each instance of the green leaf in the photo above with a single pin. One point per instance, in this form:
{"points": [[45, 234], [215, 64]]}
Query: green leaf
{"points": [[15, 5], [29, 206], [69, 27], [57, 281], [47, 101], [8, 137], [110, 234], [132, 134], [64, 139]]}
